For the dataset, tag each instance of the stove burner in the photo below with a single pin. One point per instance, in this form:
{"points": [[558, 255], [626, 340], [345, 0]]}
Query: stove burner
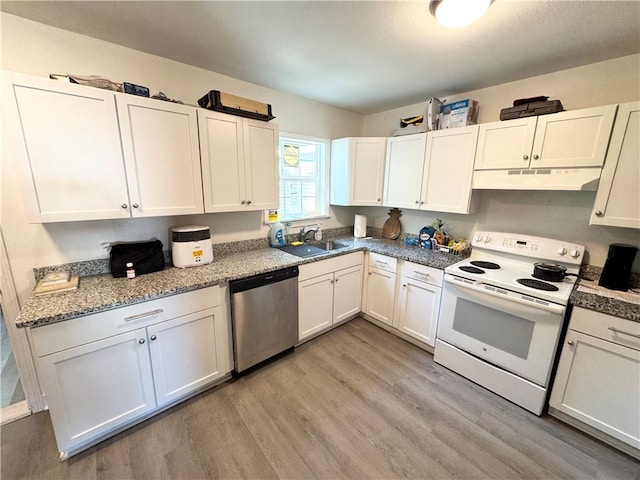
{"points": [[468, 269], [487, 265], [537, 284]]}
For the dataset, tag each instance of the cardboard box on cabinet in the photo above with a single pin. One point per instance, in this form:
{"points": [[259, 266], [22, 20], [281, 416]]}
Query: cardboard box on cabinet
{"points": [[459, 114]]}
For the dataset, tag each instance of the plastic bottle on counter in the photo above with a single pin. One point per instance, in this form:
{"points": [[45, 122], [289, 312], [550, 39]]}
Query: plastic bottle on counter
{"points": [[131, 272], [276, 234]]}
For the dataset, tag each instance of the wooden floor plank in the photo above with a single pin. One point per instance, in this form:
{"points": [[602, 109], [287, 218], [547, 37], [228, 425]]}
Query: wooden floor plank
{"points": [[356, 402]]}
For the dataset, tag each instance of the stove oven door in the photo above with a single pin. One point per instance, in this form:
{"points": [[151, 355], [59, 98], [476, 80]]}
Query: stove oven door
{"points": [[501, 327]]}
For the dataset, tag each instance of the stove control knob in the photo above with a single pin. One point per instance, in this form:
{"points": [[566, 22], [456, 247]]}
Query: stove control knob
{"points": [[487, 239], [562, 251], [574, 253], [479, 238]]}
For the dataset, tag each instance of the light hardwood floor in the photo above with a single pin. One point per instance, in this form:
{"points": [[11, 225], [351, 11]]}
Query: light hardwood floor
{"points": [[354, 403]]}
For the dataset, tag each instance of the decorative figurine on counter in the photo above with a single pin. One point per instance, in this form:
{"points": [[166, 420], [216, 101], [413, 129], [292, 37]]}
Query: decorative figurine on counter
{"points": [[392, 228]]}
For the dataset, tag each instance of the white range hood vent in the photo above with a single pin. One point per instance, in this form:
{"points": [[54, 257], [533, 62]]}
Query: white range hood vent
{"points": [[571, 179]]}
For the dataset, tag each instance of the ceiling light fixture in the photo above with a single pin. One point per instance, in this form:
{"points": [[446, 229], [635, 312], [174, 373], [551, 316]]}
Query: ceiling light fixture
{"points": [[458, 13]]}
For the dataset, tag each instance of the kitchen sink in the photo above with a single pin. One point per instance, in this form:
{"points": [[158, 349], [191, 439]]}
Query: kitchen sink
{"points": [[309, 250]]}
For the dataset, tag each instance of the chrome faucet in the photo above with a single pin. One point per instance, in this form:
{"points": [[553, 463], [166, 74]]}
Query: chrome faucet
{"points": [[305, 231]]}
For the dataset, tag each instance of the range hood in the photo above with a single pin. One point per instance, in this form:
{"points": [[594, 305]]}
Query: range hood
{"points": [[570, 179]]}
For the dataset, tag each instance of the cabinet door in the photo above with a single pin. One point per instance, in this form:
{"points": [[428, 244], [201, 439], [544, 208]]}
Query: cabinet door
{"points": [[418, 308], [187, 353], [381, 287], [504, 145], [617, 201], [403, 173], [162, 156], [261, 165], [222, 155], [94, 388], [315, 305], [357, 171], [347, 293], [449, 151], [67, 147], [598, 383], [573, 139]]}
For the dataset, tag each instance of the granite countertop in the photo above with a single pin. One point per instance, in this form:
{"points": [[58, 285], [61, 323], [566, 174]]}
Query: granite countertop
{"points": [[97, 293], [601, 303]]}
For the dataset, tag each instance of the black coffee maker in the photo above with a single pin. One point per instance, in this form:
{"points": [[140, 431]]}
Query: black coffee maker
{"points": [[617, 268]]}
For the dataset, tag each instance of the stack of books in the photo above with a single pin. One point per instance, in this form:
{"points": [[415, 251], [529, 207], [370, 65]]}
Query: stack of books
{"points": [[56, 282]]}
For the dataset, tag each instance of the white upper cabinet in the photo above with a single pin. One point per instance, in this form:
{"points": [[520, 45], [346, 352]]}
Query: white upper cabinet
{"points": [[576, 138], [403, 172], [448, 170], [88, 154], [239, 162], [66, 143], [162, 156], [618, 199], [357, 171]]}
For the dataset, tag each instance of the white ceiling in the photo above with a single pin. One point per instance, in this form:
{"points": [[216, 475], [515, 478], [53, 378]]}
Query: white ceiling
{"points": [[364, 56]]}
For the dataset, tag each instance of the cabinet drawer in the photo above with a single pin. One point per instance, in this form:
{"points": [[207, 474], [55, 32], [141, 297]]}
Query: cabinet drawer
{"points": [[607, 327], [59, 336], [422, 273], [330, 265], [383, 262]]}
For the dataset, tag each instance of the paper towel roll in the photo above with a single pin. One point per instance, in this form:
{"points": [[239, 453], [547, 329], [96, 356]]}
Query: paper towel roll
{"points": [[360, 226]]}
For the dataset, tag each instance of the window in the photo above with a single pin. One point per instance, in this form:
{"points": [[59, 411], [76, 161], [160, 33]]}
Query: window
{"points": [[302, 162]]}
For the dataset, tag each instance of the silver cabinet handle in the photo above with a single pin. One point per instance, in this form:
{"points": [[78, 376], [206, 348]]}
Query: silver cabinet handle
{"points": [[615, 330], [370, 273], [536, 157], [404, 285], [141, 341], [142, 315], [153, 337], [135, 205], [243, 202], [525, 157], [331, 282], [248, 202], [417, 202], [124, 206], [570, 342], [337, 280], [421, 202], [418, 272], [379, 199], [381, 263], [598, 213]]}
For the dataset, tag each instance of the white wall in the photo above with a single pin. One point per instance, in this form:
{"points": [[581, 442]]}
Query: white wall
{"points": [[561, 215], [34, 48]]}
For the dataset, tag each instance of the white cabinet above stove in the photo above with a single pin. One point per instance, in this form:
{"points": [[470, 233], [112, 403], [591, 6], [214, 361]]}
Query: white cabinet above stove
{"points": [[560, 151]]}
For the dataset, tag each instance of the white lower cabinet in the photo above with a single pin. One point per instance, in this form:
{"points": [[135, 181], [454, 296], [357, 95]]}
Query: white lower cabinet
{"points": [[329, 292], [102, 372], [380, 293], [597, 385], [418, 301]]}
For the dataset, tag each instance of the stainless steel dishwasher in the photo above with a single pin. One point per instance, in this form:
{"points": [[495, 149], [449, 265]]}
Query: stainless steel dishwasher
{"points": [[264, 310]]}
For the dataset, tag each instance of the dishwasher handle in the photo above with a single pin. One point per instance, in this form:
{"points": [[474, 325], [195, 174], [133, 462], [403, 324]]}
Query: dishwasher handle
{"points": [[263, 279]]}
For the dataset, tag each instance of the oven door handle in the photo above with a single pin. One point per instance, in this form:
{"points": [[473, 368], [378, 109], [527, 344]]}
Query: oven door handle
{"points": [[551, 307]]}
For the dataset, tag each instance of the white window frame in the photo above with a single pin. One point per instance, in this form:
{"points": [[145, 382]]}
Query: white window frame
{"points": [[324, 176]]}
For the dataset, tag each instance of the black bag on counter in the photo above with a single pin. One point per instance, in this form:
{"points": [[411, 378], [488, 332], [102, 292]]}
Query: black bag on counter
{"points": [[146, 257]]}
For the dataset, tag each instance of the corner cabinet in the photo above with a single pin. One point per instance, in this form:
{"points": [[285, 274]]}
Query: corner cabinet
{"points": [[597, 384], [357, 171], [239, 163], [329, 293], [104, 372], [617, 201], [68, 141]]}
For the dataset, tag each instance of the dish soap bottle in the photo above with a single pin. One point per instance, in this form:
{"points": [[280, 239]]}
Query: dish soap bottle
{"points": [[276, 234]]}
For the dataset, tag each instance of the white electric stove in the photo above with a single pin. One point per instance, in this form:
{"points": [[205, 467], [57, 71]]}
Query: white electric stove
{"points": [[499, 325]]}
